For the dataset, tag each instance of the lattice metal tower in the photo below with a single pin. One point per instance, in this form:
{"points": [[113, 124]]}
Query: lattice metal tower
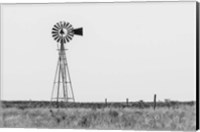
{"points": [[62, 90]]}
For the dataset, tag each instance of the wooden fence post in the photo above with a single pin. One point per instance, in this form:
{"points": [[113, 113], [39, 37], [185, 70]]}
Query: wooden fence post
{"points": [[106, 101], [127, 101], [154, 104]]}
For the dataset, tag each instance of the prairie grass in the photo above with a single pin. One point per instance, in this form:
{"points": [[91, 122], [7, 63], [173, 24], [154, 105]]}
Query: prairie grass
{"points": [[164, 118]]}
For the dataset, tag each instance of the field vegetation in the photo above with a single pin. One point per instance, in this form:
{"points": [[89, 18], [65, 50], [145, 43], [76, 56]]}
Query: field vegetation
{"points": [[181, 117]]}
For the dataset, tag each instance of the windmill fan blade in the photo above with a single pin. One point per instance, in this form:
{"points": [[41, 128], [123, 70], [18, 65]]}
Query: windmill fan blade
{"points": [[56, 38], [69, 37], [64, 24], [54, 35], [78, 31], [54, 32], [67, 24], [56, 27]]}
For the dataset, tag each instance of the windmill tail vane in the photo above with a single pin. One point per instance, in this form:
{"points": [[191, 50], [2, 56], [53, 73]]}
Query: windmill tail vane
{"points": [[63, 32]]}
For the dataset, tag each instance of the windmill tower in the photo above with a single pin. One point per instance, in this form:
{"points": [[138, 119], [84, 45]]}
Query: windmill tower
{"points": [[63, 32]]}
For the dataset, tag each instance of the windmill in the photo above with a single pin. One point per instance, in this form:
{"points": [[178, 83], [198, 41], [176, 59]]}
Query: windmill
{"points": [[63, 32]]}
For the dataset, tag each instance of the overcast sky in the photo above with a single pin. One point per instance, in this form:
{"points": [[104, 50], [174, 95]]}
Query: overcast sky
{"points": [[128, 50]]}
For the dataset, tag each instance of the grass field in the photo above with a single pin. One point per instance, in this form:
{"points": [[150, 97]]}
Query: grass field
{"points": [[182, 117]]}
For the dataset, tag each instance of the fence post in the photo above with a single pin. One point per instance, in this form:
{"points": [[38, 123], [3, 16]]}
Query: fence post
{"points": [[1, 115], [127, 101], [106, 101], [154, 104]]}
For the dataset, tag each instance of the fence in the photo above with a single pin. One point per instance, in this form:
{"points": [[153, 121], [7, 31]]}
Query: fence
{"points": [[141, 103]]}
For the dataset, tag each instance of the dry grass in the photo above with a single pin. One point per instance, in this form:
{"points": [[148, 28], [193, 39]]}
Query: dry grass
{"points": [[181, 118]]}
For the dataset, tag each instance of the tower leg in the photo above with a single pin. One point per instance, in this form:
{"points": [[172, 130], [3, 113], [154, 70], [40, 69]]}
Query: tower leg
{"points": [[69, 80], [59, 71], [55, 78]]}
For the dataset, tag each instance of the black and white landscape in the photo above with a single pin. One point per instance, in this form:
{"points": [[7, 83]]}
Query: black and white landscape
{"points": [[134, 67]]}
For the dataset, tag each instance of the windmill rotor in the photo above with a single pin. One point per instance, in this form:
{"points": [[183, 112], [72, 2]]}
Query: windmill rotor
{"points": [[63, 32]]}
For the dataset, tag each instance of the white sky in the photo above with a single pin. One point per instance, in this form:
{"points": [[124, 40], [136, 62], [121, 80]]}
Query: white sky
{"points": [[129, 50]]}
